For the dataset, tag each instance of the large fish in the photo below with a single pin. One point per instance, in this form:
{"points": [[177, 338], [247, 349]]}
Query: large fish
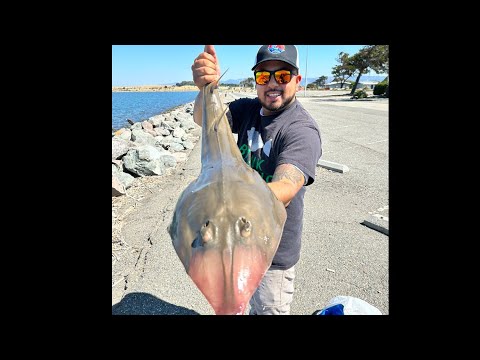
{"points": [[227, 223]]}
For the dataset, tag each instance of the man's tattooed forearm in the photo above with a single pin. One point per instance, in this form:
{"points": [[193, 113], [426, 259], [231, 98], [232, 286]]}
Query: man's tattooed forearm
{"points": [[289, 172]]}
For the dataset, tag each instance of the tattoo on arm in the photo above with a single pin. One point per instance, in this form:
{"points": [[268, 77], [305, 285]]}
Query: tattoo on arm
{"points": [[289, 172]]}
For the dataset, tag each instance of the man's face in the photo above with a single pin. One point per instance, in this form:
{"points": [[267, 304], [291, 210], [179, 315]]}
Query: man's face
{"points": [[274, 96]]}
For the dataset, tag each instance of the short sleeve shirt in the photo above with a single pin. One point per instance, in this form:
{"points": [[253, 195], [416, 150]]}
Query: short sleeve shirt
{"points": [[289, 137]]}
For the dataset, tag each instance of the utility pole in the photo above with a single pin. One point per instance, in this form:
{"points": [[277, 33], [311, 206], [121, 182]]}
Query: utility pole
{"points": [[306, 65]]}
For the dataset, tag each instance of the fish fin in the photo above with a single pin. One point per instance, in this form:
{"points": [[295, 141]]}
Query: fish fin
{"points": [[218, 80], [217, 121]]}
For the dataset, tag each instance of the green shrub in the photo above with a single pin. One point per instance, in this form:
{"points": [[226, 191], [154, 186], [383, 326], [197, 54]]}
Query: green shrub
{"points": [[360, 94], [380, 88]]}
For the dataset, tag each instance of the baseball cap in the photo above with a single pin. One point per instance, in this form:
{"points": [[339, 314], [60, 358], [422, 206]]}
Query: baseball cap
{"points": [[285, 53]]}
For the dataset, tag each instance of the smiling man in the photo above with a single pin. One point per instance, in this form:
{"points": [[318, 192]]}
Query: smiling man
{"points": [[280, 140]]}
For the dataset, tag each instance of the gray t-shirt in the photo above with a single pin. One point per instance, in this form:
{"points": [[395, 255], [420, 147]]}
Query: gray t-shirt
{"points": [[290, 137]]}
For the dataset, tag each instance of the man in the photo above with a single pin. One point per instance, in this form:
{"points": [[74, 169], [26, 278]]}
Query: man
{"points": [[281, 141]]}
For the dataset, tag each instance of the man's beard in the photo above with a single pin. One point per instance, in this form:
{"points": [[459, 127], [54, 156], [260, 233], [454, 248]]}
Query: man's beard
{"points": [[273, 107]]}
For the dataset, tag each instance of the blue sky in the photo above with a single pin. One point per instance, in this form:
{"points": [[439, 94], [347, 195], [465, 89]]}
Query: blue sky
{"points": [[165, 64]]}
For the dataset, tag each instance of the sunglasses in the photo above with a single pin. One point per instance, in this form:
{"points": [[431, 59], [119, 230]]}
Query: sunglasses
{"points": [[281, 76]]}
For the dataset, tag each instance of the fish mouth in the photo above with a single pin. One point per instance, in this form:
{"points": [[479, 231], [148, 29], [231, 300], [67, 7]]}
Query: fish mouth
{"points": [[228, 278]]}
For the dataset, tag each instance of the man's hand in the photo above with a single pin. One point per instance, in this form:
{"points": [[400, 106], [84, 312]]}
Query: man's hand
{"points": [[205, 68]]}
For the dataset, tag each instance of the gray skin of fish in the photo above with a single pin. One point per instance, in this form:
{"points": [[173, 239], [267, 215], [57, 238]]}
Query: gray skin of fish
{"points": [[227, 223]]}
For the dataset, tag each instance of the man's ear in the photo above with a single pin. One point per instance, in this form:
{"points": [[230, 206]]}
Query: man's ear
{"points": [[298, 78]]}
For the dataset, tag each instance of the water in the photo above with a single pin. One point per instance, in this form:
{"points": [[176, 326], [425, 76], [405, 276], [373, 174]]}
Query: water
{"points": [[139, 106]]}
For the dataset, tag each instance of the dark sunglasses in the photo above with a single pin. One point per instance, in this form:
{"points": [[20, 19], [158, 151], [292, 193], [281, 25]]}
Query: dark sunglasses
{"points": [[281, 76]]}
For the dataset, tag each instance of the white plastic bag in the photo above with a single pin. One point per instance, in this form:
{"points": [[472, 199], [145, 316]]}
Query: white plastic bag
{"points": [[348, 305]]}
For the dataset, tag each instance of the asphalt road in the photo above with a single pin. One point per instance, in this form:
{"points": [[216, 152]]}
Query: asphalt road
{"points": [[340, 255]]}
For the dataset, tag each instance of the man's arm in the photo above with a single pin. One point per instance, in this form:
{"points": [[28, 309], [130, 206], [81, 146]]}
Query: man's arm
{"points": [[286, 182], [205, 69]]}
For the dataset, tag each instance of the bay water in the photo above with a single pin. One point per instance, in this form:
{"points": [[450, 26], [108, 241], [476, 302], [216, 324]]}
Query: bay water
{"points": [[139, 106]]}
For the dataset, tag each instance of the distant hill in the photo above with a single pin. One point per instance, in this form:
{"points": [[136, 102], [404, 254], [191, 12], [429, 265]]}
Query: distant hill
{"points": [[232, 81]]}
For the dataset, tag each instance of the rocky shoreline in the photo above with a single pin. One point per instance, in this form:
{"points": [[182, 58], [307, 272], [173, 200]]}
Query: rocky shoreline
{"points": [[151, 147], [155, 146]]}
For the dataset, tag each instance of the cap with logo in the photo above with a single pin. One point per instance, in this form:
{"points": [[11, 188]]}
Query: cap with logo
{"points": [[285, 53]]}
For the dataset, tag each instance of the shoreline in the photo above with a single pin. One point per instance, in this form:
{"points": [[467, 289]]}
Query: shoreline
{"points": [[225, 91], [233, 93], [180, 107], [174, 88], [153, 88]]}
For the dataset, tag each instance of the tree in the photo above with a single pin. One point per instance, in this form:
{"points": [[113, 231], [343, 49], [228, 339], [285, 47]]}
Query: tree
{"points": [[379, 62], [320, 82], [185, 83], [373, 57], [342, 72], [247, 82]]}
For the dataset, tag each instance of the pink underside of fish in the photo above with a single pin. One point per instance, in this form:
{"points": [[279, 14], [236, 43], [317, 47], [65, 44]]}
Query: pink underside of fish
{"points": [[228, 282]]}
